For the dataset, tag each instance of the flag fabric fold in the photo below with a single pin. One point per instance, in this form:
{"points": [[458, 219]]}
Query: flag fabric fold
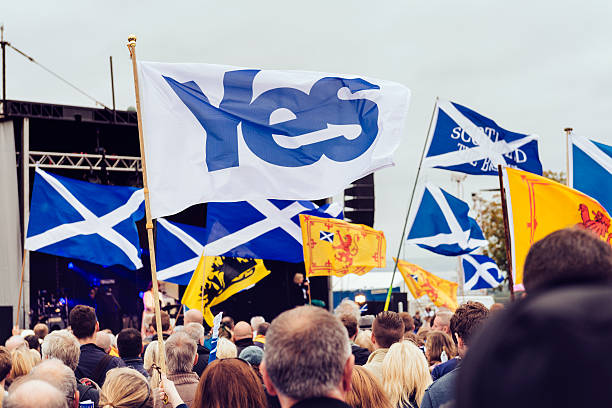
{"points": [[91, 222], [216, 278], [590, 169], [179, 249], [442, 292], [537, 206], [336, 247], [225, 134], [480, 272], [463, 140], [441, 224]]}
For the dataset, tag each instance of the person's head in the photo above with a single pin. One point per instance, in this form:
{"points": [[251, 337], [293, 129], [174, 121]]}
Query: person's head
{"points": [[568, 256], [62, 344], [388, 328], [32, 342], [294, 371], [229, 383], [193, 316], [243, 330], [262, 329], [181, 353], [438, 342], [195, 331], [150, 359], [22, 362], [165, 321], [496, 307], [256, 321], [253, 355], [5, 363], [465, 322], [405, 373], [298, 278], [228, 321], [60, 376], [551, 349], [129, 343], [347, 306], [34, 394], [15, 342], [364, 339], [103, 340], [125, 388], [84, 322], [226, 349], [41, 330], [408, 322], [421, 336], [366, 391], [442, 321], [350, 324]]}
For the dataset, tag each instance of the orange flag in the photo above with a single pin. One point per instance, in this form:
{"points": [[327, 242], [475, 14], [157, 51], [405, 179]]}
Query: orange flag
{"points": [[538, 206], [336, 247], [442, 292]]}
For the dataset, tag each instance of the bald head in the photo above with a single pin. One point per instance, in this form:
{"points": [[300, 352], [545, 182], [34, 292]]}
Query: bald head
{"points": [[34, 394], [15, 342], [243, 330], [60, 376], [193, 316], [103, 340]]}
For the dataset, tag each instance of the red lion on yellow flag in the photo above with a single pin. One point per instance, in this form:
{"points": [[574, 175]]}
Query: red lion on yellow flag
{"points": [[600, 225]]}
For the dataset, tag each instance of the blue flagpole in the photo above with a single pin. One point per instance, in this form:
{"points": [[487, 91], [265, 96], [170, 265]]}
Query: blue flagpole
{"points": [[399, 250]]}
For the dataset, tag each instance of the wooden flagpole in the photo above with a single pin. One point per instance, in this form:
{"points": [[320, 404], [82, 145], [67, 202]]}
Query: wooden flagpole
{"points": [[161, 355], [416, 180], [568, 131], [507, 232], [23, 260]]}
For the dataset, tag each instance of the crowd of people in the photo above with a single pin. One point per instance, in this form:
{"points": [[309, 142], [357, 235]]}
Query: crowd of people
{"points": [[547, 349]]}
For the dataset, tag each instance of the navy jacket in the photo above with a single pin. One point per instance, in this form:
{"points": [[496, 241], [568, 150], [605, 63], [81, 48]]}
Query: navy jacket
{"points": [[91, 361], [137, 364], [442, 369], [441, 391]]}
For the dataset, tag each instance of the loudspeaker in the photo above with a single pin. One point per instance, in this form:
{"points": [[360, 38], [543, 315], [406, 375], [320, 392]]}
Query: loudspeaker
{"points": [[359, 201], [6, 323]]}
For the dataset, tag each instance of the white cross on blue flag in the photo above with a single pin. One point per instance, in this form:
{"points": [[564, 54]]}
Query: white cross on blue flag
{"points": [[481, 272], [87, 221], [441, 224], [465, 141], [326, 236]]}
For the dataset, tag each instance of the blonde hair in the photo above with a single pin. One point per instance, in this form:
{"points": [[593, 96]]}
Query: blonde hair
{"points": [[405, 374], [364, 339], [22, 362], [125, 388], [226, 349], [366, 391], [150, 359]]}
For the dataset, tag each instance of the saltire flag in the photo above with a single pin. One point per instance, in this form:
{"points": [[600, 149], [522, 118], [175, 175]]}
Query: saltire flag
{"points": [[336, 247], [480, 272], [442, 225], [260, 229], [216, 278], [590, 169], [86, 221], [465, 141], [538, 206], [215, 337], [442, 292], [242, 134]]}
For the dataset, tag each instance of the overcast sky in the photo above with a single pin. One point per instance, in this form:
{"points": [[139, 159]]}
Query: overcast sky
{"points": [[533, 66]]}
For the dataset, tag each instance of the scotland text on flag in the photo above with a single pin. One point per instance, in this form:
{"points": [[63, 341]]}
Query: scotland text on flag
{"points": [[590, 169], [242, 134], [465, 141], [441, 224], [86, 221], [481, 272]]}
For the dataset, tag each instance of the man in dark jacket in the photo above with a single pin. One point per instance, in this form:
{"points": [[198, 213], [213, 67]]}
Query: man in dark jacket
{"points": [[94, 363], [315, 376], [129, 343], [352, 327]]}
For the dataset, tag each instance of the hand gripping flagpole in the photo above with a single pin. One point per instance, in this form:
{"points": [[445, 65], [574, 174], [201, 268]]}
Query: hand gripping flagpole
{"points": [[161, 355], [416, 180]]}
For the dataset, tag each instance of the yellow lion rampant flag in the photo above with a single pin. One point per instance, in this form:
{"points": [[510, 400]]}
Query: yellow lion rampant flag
{"points": [[538, 206], [336, 247], [442, 292], [216, 278]]}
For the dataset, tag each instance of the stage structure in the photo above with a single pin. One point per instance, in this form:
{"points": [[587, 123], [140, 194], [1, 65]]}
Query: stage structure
{"points": [[96, 145]]}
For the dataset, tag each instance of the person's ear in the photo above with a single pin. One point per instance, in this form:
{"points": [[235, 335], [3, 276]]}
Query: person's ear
{"points": [[266, 379], [97, 329], [75, 401], [373, 338], [195, 360], [347, 374]]}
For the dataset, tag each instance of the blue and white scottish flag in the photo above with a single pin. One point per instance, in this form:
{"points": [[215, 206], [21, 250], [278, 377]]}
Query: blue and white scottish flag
{"points": [[87, 221], [590, 169], [249, 134], [260, 229], [481, 272], [465, 141], [441, 224]]}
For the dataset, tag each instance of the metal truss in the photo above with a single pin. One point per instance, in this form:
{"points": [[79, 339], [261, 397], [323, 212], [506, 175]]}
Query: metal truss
{"points": [[83, 161]]}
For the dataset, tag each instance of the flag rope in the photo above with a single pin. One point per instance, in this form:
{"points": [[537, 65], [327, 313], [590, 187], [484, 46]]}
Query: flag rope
{"points": [[161, 355], [399, 250]]}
